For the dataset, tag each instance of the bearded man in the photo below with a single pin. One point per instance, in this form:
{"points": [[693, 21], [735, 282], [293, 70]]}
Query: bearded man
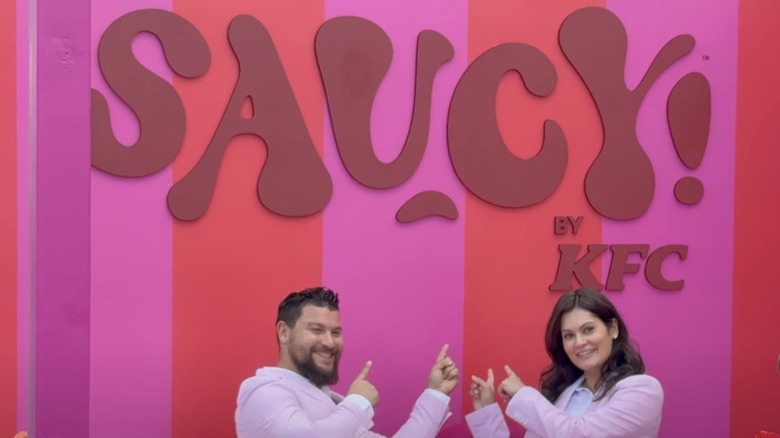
{"points": [[293, 399]]}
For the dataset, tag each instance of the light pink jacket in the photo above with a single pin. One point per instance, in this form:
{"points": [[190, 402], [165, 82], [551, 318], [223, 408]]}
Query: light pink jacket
{"points": [[278, 403], [631, 410]]}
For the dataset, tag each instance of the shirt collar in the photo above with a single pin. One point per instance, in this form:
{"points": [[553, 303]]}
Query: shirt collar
{"points": [[579, 384]]}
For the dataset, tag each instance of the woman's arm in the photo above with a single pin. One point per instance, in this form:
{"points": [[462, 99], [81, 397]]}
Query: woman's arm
{"points": [[632, 410]]}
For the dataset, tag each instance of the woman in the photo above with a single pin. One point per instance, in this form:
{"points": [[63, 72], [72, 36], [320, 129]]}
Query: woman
{"points": [[595, 386]]}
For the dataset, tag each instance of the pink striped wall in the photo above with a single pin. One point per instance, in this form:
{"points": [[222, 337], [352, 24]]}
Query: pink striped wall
{"points": [[134, 309], [130, 336], [412, 272], [684, 330]]}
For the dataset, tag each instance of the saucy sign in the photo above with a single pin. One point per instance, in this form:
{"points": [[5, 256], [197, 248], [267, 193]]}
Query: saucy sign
{"points": [[353, 55]]}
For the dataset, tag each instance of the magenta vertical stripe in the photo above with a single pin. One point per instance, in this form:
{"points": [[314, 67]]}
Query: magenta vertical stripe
{"points": [[62, 219], [22, 211], [685, 335], [399, 280], [130, 385]]}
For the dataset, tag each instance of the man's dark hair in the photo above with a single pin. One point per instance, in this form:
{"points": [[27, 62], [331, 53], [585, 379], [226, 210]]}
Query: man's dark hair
{"points": [[291, 307]]}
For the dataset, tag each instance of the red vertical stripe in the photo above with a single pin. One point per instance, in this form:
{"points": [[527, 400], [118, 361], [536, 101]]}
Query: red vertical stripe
{"points": [[755, 383], [511, 254], [233, 266], [8, 218]]}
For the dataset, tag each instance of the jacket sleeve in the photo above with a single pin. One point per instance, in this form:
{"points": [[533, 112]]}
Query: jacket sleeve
{"points": [[273, 411], [632, 409], [430, 412], [487, 422]]}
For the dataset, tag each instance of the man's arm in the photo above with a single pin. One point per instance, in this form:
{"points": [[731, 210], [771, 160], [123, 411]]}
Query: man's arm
{"points": [[273, 411], [428, 415], [432, 407]]}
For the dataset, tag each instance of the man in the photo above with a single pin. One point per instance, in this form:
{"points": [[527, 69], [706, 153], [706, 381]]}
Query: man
{"points": [[292, 400]]}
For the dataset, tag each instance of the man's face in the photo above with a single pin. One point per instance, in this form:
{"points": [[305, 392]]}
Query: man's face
{"points": [[315, 345]]}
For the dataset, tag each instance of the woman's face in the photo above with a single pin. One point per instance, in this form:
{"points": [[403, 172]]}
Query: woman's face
{"points": [[587, 340]]}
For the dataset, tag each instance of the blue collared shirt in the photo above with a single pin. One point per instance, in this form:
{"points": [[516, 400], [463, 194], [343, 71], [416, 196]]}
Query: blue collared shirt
{"points": [[580, 399]]}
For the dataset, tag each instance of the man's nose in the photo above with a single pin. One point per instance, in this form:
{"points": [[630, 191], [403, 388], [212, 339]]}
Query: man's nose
{"points": [[327, 339]]}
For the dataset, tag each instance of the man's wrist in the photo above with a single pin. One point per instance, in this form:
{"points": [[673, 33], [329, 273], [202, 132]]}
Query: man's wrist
{"points": [[438, 394], [361, 402]]}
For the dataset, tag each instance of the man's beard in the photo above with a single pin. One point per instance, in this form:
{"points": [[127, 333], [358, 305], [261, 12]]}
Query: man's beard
{"points": [[316, 375]]}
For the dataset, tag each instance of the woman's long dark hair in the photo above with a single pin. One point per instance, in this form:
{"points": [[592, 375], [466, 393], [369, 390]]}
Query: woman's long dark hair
{"points": [[623, 361]]}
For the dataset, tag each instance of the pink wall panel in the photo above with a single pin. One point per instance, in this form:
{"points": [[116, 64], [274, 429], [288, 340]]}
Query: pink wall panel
{"points": [[131, 264], [402, 284]]}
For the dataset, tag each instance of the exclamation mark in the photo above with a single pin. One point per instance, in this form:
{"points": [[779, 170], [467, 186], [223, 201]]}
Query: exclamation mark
{"points": [[688, 110]]}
